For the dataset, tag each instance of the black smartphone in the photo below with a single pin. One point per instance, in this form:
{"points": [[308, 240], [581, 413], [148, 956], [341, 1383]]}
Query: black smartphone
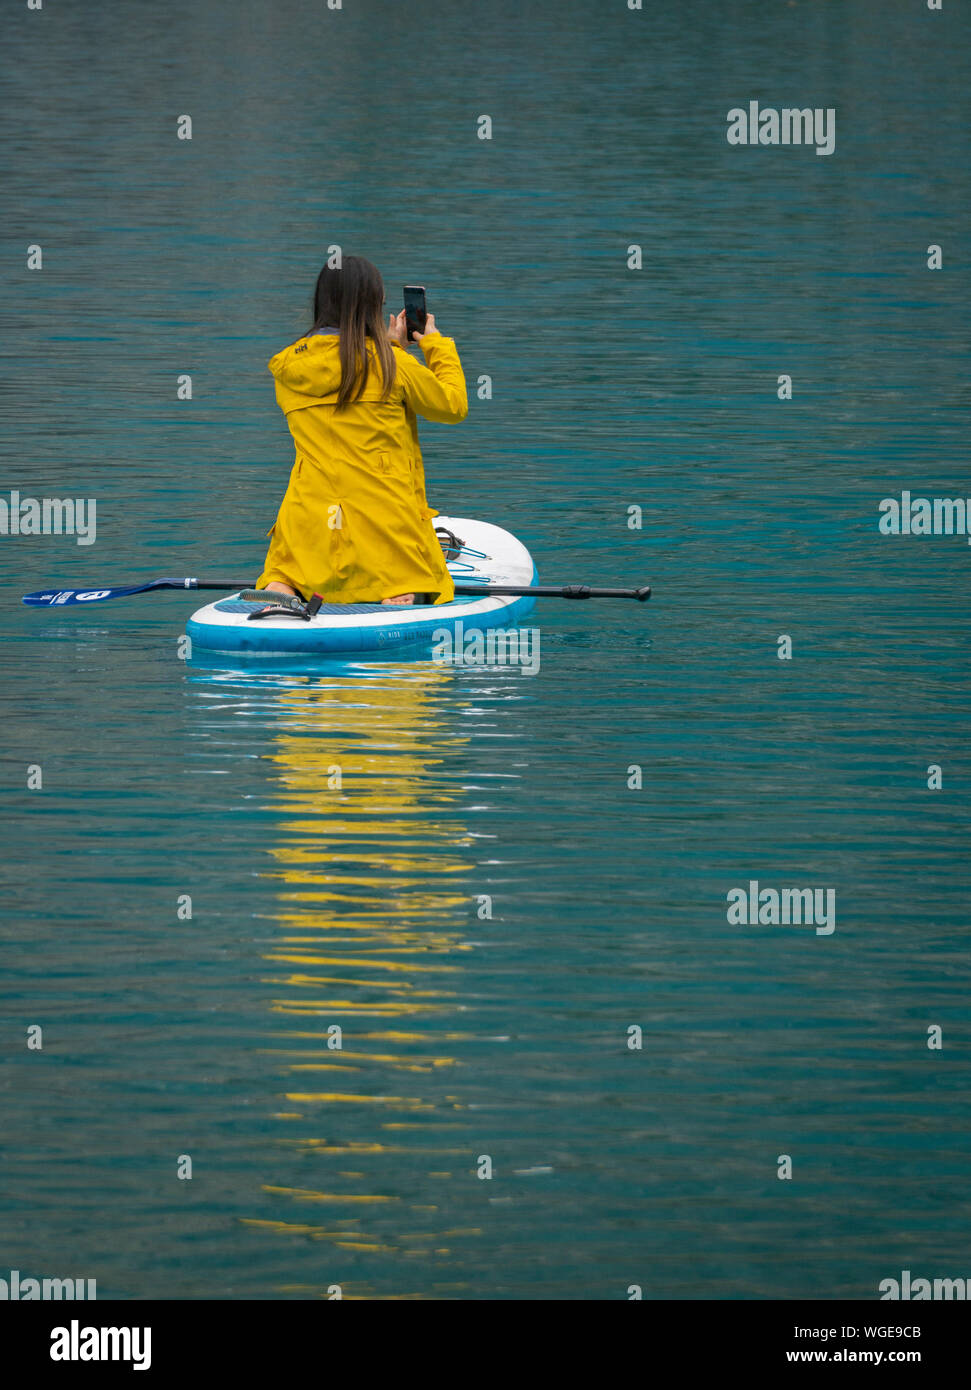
{"points": [[415, 314]]}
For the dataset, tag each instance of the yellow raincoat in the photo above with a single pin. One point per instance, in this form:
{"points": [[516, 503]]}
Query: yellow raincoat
{"points": [[354, 524]]}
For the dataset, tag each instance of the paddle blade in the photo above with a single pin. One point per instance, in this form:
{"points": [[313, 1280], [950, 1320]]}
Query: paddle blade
{"points": [[56, 598]]}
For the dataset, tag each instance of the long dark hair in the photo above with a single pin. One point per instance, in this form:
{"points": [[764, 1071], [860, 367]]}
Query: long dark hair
{"points": [[351, 299]]}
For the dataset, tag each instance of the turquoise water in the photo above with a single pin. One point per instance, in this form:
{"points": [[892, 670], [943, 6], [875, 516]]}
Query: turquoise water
{"points": [[359, 906]]}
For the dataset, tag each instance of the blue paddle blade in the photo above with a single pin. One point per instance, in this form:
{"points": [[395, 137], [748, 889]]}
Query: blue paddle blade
{"points": [[57, 598]]}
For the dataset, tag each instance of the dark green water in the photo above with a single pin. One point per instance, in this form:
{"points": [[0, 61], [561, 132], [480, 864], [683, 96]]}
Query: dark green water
{"points": [[315, 906]]}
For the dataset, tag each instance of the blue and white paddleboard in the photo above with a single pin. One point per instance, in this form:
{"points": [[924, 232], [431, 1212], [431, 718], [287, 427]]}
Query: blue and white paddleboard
{"points": [[489, 555]]}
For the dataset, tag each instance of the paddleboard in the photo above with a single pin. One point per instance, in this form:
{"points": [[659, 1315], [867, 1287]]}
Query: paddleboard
{"points": [[488, 555]]}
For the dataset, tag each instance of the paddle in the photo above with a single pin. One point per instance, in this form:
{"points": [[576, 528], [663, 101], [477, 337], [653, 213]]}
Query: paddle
{"points": [[57, 598]]}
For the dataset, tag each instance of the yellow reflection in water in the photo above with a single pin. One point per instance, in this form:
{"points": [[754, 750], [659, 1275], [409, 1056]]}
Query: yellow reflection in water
{"points": [[374, 903]]}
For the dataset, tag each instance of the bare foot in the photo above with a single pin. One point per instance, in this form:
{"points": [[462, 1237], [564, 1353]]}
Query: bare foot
{"points": [[277, 586], [400, 600]]}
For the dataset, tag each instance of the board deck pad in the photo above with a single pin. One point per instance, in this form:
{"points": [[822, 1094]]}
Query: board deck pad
{"points": [[240, 605]]}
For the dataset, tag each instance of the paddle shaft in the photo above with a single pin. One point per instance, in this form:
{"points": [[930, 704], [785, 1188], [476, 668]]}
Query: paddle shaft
{"points": [[553, 591]]}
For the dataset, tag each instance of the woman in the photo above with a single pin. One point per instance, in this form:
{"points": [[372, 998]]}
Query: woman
{"points": [[354, 525]]}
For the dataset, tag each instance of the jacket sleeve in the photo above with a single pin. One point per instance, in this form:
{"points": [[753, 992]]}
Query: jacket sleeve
{"points": [[436, 391]]}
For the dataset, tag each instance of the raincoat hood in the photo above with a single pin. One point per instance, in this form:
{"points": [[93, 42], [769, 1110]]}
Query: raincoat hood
{"points": [[309, 373]]}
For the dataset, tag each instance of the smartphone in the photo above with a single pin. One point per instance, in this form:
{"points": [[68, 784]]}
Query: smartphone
{"points": [[415, 314]]}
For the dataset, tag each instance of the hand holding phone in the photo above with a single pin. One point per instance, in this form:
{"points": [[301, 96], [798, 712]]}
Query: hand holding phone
{"points": [[416, 315]]}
